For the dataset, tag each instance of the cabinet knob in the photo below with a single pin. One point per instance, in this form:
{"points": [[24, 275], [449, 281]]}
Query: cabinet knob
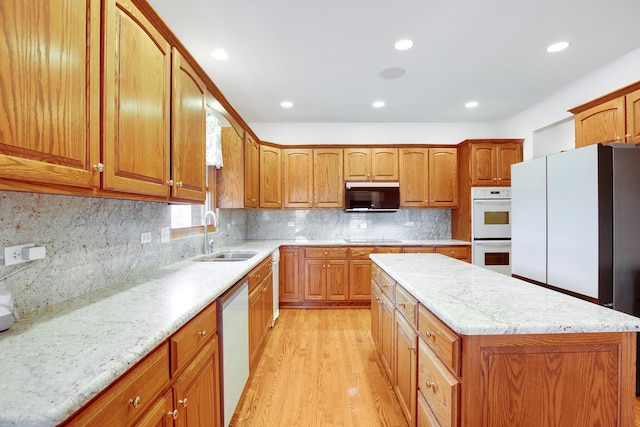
{"points": [[135, 402], [184, 402], [180, 184], [429, 334], [618, 138], [170, 183], [628, 137], [430, 385], [173, 414], [202, 333], [99, 167], [411, 348]]}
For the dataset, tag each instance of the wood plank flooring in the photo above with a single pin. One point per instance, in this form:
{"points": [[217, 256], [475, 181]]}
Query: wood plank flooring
{"points": [[319, 367]]}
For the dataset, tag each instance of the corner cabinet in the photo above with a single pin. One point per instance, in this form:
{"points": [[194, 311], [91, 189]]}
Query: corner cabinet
{"points": [[428, 177], [137, 74], [612, 118], [49, 51], [251, 172], [188, 141]]}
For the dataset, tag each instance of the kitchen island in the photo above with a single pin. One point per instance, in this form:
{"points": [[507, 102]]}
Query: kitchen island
{"points": [[491, 350]]}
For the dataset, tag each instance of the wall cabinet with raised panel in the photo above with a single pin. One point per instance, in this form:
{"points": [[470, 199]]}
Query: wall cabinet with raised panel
{"points": [[298, 177], [428, 177], [371, 164], [615, 117], [251, 172], [313, 178], [270, 177]]}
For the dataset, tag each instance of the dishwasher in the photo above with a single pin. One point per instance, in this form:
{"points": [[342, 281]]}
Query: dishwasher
{"points": [[233, 320]]}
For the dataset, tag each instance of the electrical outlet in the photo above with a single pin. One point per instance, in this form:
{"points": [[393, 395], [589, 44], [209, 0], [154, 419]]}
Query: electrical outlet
{"points": [[408, 224], [165, 235], [291, 224], [145, 237]]}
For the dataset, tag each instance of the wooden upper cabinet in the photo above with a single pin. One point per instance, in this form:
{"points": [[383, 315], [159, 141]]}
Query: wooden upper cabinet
{"points": [[491, 162], [270, 177], [298, 177], [633, 117], [443, 177], [328, 187], [137, 95], [603, 123], [428, 177], [251, 172], [414, 177], [230, 177], [614, 117], [370, 164], [188, 142], [49, 89]]}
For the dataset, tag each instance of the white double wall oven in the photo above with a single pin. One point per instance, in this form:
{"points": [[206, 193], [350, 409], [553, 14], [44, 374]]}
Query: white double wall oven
{"points": [[491, 228]]}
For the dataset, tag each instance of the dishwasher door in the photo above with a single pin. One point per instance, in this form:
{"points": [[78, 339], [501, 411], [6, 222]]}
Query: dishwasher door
{"points": [[235, 346]]}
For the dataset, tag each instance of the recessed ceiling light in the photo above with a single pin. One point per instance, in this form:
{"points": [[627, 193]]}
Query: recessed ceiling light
{"points": [[220, 55], [471, 104], [557, 47], [378, 104], [286, 104], [404, 44]]}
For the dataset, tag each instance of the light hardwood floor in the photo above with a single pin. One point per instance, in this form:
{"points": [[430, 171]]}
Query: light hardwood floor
{"points": [[319, 367]]}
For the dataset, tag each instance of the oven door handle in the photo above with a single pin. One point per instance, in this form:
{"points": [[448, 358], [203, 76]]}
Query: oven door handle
{"points": [[485, 243]]}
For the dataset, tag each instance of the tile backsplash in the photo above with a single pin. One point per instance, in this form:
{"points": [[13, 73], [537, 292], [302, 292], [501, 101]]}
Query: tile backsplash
{"points": [[93, 242]]}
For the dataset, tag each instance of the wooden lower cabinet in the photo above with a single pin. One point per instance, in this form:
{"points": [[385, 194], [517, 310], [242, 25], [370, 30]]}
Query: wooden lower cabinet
{"points": [[359, 279], [260, 314], [462, 252], [405, 363], [424, 416], [288, 278], [161, 414]]}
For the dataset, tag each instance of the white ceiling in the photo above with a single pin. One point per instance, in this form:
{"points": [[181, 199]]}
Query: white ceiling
{"points": [[326, 56]]}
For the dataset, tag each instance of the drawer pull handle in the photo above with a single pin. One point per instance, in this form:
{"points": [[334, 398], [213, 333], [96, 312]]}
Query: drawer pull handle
{"points": [[430, 334], [135, 402], [431, 385], [173, 414], [403, 304], [184, 402], [202, 333], [411, 348]]}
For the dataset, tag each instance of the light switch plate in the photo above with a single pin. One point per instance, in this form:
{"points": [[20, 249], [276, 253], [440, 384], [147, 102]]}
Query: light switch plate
{"points": [[165, 235], [145, 237]]}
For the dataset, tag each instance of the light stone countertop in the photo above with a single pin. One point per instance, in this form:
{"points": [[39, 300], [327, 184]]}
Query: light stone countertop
{"points": [[475, 301], [53, 364]]}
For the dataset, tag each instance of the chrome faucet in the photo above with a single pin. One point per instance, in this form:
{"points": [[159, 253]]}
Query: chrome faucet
{"points": [[209, 243]]}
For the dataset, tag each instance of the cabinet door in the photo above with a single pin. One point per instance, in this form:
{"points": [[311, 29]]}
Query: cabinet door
{"points": [[315, 279], [337, 280], [256, 307], [483, 164], [267, 303], [633, 117], [288, 278], [384, 164], [357, 164], [298, 178], [424, 416], [137, 94], [188, 142], [161, 414], [50, 91], [230, 178], [376, 310], [602, 123], [360, 280], [197, 390], [327, 178], [506, 155], [270, 177], [251, 172], [406, 366], [443, 177], [386, 335], [414, 184]]}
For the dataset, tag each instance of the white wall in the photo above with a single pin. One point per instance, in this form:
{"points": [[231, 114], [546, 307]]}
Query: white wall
{"points": [[372, 133], [615, 75]]}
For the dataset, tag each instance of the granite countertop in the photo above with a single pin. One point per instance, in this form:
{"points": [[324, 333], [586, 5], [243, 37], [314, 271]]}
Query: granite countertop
{"points": [[475, 301], [53, 364]]}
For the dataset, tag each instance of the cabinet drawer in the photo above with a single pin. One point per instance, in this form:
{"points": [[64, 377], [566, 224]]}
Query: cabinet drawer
{"points": [[407, 304], [131, 395], [387, 284], [328, 252], [461, 252], [376, 274], [389, 250], [192, 337], [442, 340], [419, 249], [440, 388], [259, 273], [361, 252]]}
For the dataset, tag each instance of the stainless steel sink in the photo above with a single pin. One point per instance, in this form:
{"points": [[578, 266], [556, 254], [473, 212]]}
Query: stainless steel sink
{"points": [[227, 256]]}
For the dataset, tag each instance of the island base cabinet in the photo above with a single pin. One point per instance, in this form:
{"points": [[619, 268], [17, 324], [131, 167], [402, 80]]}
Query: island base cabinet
{"points": [[567, 380], [405, 366], [424, 416]]}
